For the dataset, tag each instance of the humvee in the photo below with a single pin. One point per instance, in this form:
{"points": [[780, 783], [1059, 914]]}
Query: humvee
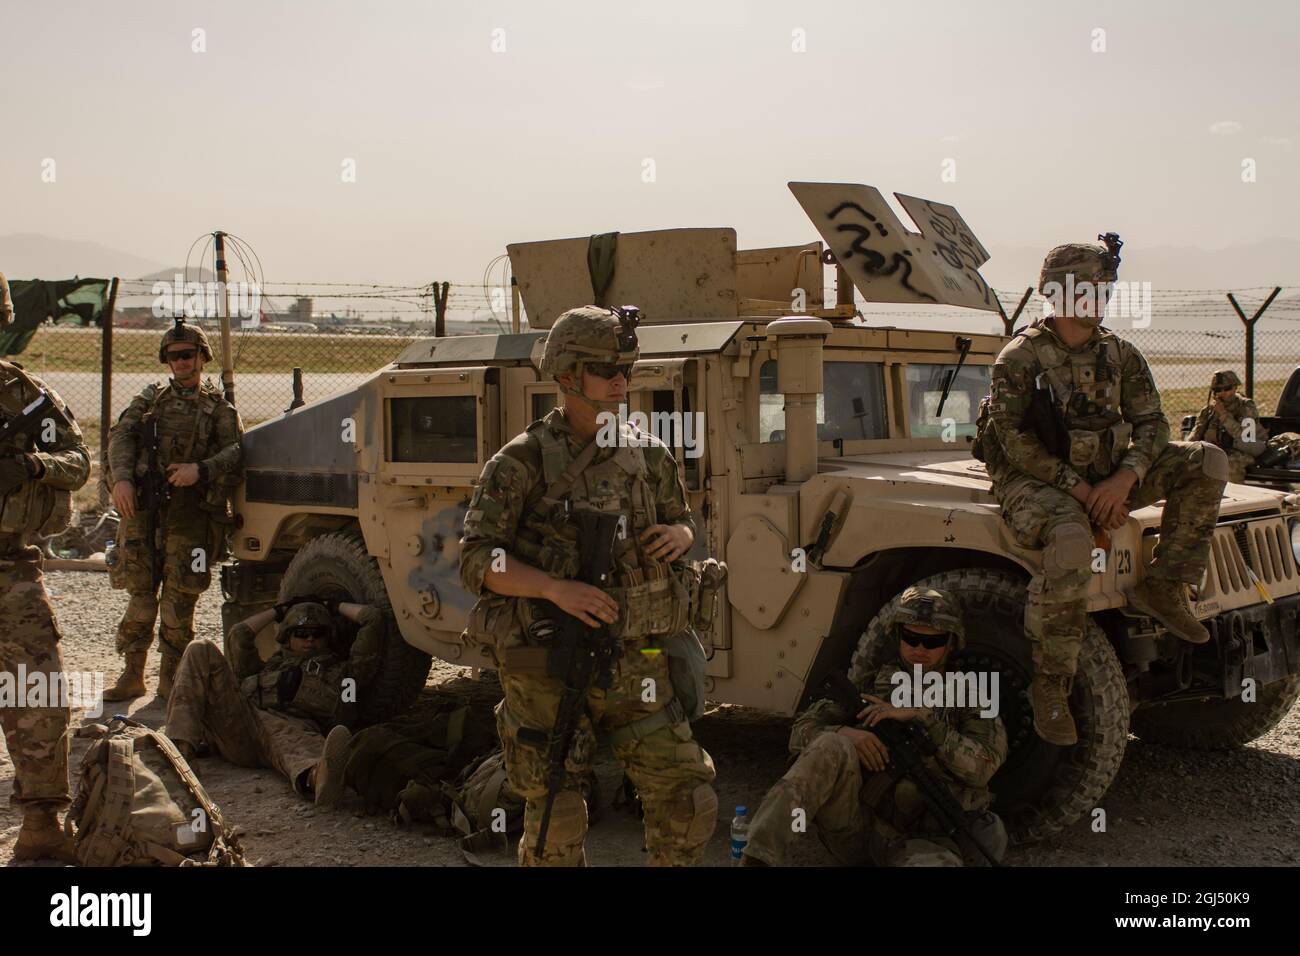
{"points": [[824, 473]]}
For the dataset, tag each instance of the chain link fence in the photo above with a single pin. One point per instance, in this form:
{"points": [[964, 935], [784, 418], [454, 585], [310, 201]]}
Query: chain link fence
{"points": [[340, 334]]}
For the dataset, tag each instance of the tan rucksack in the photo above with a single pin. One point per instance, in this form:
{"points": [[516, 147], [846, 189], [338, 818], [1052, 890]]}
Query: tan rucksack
{"points": [[138, 803]]}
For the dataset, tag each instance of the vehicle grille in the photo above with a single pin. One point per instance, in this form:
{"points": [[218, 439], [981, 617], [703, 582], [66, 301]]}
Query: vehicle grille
{"points": [[301, 488], [1240, 548]]}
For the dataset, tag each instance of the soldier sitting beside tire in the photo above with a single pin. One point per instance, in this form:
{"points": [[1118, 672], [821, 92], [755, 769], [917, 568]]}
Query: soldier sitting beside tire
{"points": [[840, 781], [276, 713]]}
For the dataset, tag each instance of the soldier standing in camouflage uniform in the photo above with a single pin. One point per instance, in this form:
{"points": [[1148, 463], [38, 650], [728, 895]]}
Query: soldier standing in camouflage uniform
{"points": [[1231, 421], [1119, 457], [840, 781], [274, 713], [199, 452], [519, 543], [39, 469]]}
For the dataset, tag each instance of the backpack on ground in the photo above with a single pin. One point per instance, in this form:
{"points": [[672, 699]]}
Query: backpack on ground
{"points": [[139, 803]]}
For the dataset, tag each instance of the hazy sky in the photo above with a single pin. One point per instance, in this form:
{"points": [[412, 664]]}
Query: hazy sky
{"points": [[459, 149]]}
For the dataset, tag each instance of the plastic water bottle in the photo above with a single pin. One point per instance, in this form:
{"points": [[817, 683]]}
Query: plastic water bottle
{"points": [[110, 554], [739, 834]]}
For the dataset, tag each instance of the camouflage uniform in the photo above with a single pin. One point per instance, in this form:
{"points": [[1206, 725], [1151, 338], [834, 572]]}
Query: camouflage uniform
{"points": [[1225, 429], [865, 816], [37, 737], [196, 425], [1115, 421], [272, 713], [513, 509]]}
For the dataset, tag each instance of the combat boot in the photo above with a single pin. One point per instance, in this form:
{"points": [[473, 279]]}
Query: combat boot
{"points": [[1166, 602], [166, 673], [42, 838], [1050, 696], [327, 778], [130, 683]]}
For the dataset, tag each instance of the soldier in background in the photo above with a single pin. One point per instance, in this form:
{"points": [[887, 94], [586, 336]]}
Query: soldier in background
{"points": [[1094, 395], [1231, 421], [41, 464], [521, 512], [840, 781], [276, 713], [199, 457]]}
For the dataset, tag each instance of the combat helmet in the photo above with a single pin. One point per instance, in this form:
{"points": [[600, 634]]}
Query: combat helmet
{"points": [[6, 303], [1224, 378], [183, 332], [306, 614], [932, 608], [1086, 261], [591, 334]]}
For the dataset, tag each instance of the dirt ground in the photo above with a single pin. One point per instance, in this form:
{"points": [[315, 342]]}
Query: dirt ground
{"points": [[1168, 807]]}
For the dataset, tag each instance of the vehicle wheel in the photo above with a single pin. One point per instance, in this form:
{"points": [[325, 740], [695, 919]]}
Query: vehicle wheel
{"points": [[337, 566], [1041, 788], [1217, 724]]}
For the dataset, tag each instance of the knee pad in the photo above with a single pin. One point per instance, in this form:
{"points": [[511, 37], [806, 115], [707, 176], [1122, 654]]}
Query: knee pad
{"points": [[1068, 549], [141, 609], [1213, 461], [565, 833]]}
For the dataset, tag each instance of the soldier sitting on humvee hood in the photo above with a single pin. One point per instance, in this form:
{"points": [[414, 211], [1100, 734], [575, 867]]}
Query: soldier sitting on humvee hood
{"points": [[274, 713]]}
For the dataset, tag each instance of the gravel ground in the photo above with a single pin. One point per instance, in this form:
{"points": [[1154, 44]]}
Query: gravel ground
{"points": [[1168, 807]]}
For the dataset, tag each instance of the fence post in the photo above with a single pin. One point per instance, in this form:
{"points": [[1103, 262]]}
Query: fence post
{"points": [[106, 375], [1250, 334], [440, 291]]}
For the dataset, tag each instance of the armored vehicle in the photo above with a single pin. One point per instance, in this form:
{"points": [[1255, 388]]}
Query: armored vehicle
{"points": [[828, 463]]}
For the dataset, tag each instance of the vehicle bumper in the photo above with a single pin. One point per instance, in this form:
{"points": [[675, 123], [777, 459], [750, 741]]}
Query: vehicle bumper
{"points": [[1261, 642]]}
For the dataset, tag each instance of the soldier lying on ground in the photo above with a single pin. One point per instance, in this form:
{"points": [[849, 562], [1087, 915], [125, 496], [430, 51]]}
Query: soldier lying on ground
{"points": [[840, 780], [1231, 421], [276, 713]]}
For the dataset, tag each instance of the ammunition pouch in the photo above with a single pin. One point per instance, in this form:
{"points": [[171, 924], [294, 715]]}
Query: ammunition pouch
{"points": [[660, 606], [494, 624], [705, 583], [35, 508], [1084, 447]]}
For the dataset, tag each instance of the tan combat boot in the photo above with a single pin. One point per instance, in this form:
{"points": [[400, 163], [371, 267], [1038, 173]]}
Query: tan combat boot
{"points": [[1050, 696], [327, 778], [42, 838], [130, 683], [166, 673], [1166, 601]]}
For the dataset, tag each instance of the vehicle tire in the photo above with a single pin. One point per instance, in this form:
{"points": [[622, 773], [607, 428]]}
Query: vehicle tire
{"points": [[337, 566], [1217, 724], [1041, 788]]}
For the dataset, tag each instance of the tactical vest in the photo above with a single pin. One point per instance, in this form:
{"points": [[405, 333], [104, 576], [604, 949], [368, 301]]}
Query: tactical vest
{"points": [[185, 440], [1087, 387], [299, 686], [33, 508], [652, 598]]}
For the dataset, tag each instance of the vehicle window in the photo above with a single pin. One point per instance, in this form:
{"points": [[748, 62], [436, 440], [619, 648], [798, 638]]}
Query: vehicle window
{"points": [[925, 387], [852, 405], [543, 402], [435, 428]]}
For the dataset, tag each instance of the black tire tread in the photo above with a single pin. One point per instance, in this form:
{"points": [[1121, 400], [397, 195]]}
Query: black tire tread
{"points": [[1217, 724]]}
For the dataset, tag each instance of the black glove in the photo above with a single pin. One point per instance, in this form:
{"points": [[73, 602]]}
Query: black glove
{"points": [[331, 604], [13, 472]]}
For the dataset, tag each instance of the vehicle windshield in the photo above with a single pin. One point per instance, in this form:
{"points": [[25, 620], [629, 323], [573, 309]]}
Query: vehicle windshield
{"points": [[924, 389], [852, 405]]}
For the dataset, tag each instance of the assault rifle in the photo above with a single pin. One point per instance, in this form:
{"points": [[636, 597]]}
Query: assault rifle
{"points": [[28, 421], [908, 745], [154, 493], [579, 655]]}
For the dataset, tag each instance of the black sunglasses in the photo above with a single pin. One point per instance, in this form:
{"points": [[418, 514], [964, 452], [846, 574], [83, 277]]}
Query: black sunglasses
{"points": [[310, 633], [931, 642], [608, 370], [182, 355]]}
